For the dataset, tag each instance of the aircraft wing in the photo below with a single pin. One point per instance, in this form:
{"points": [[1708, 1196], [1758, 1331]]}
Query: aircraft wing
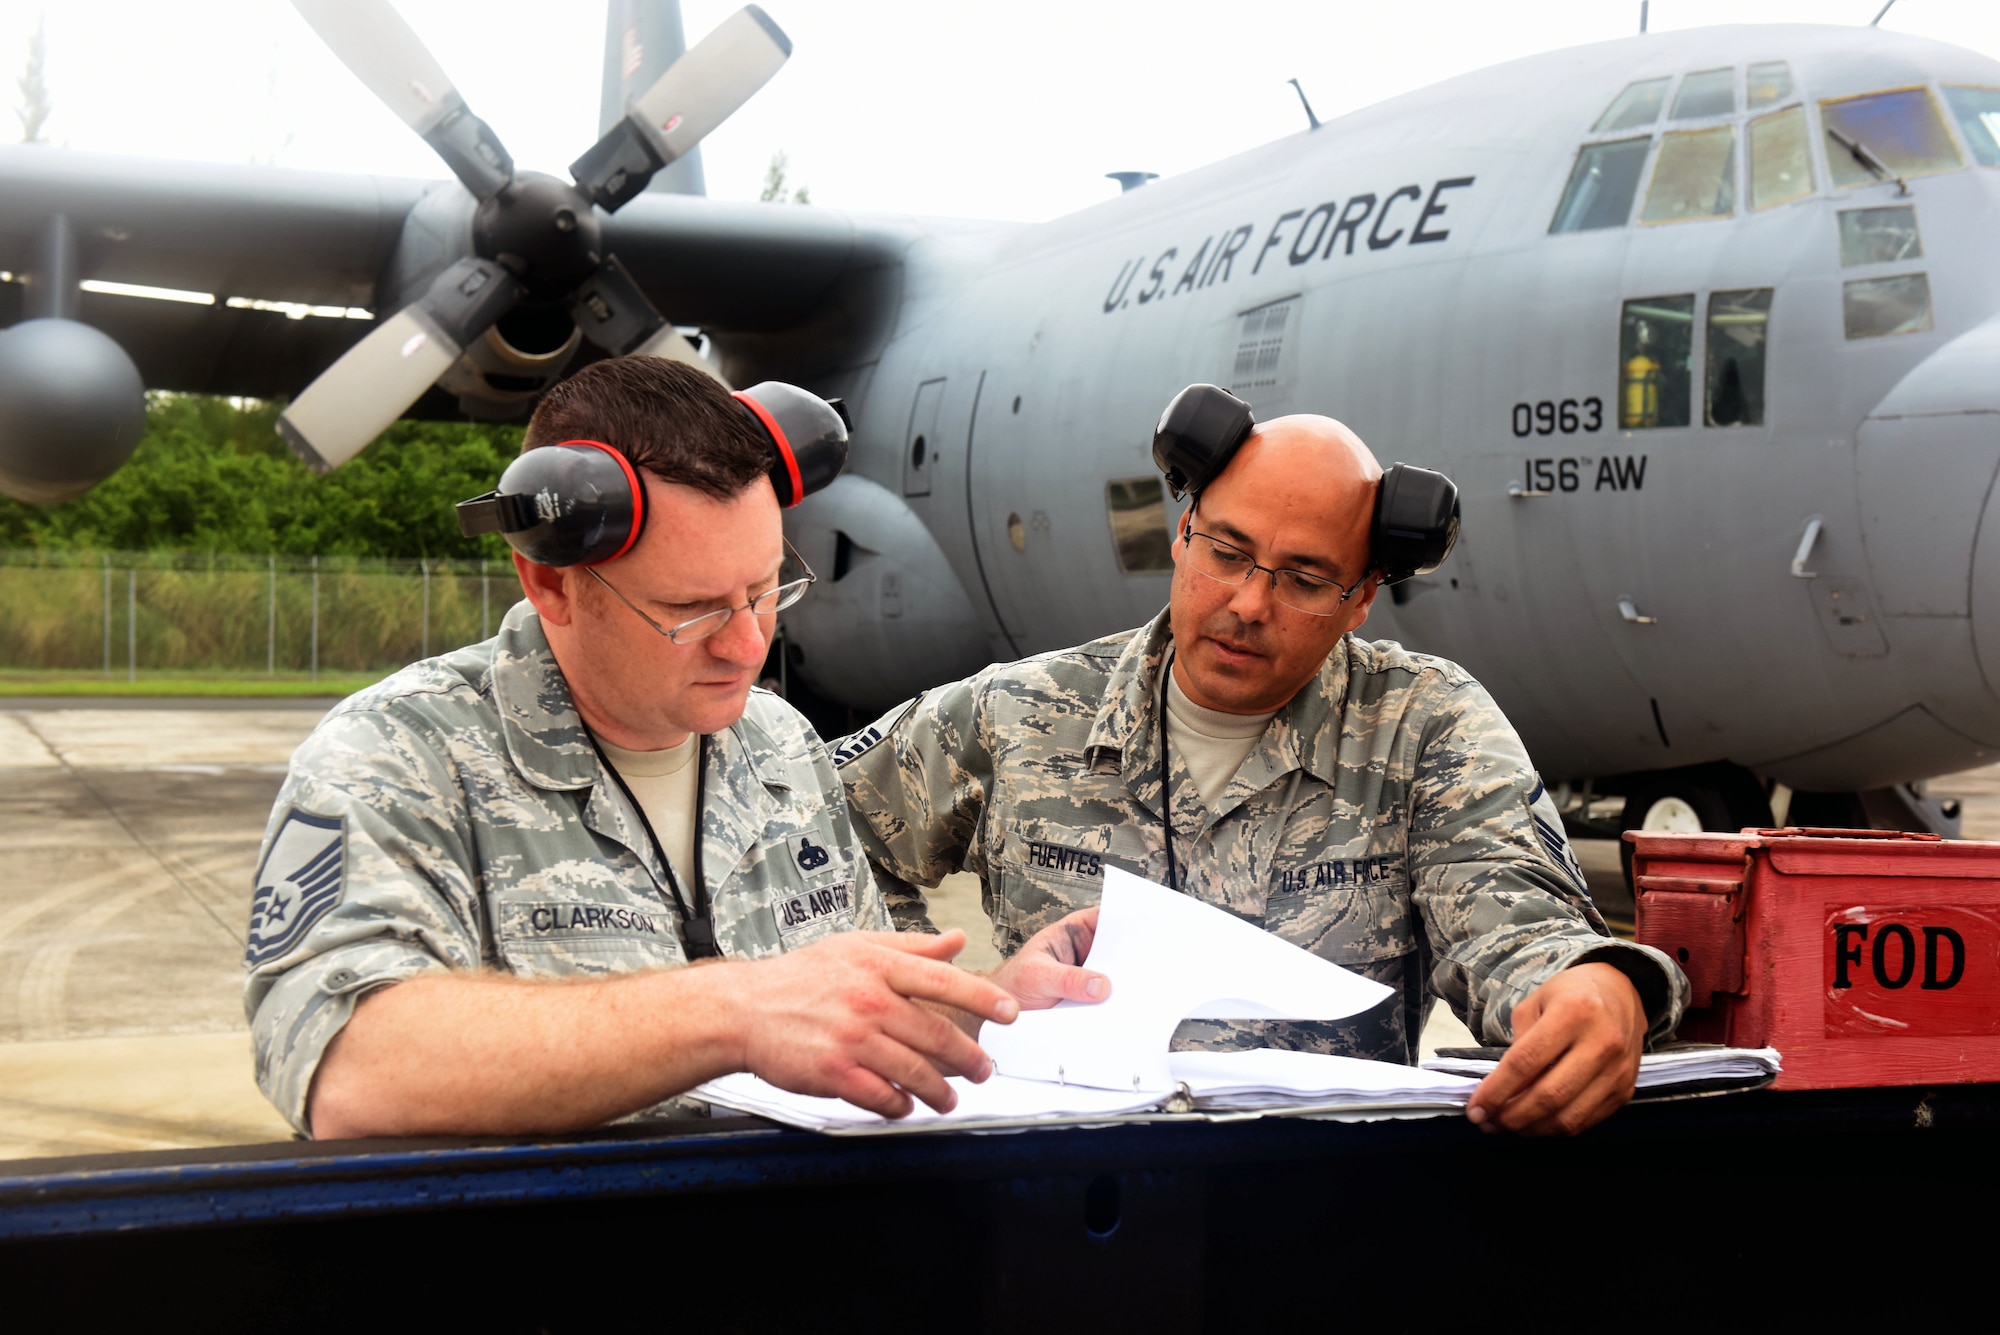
{"points": [[277, 235]]}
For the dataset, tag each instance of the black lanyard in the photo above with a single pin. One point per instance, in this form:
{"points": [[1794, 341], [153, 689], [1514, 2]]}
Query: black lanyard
{"points": [[697, 925]]}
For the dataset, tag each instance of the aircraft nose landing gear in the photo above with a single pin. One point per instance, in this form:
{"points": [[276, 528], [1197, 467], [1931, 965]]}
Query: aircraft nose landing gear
{"points": [[1718, 796]]}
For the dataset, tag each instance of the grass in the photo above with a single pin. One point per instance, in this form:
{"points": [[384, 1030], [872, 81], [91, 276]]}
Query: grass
{"points": [[18, 682]]}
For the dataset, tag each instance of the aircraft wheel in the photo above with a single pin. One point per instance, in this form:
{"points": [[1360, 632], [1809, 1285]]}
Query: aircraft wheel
{"points": [[1720, 797]]}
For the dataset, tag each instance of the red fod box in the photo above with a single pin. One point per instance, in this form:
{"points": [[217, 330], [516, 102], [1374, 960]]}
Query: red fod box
{"points": [[1865, 957]]}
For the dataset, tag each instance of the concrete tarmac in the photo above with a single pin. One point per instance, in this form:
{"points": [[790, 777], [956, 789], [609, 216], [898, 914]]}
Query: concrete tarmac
{"points": [[128, 843]]}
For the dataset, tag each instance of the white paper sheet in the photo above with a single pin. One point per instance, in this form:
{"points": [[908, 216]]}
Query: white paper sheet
{"points": [[1168, 957], [1265, 1078], [1000, 1101]]}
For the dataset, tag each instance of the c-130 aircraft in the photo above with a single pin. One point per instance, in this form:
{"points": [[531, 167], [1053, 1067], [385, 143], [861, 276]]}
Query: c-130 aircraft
{"points": [[1706, 326]]}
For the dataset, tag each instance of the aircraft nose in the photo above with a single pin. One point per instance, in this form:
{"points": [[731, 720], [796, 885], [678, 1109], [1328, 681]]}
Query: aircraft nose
{"points": [[1926, 458]]}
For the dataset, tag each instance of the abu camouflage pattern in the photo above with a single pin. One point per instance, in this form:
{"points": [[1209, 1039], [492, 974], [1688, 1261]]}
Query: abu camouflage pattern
{"points": [[1388, 819], [481, 831]]}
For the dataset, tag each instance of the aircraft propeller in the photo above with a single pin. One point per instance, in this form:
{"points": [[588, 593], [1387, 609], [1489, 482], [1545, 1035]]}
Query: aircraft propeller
{"points": [[536, 238]]}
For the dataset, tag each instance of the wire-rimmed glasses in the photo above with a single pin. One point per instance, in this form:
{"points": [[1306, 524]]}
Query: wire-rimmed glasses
{"points": [[1227, 564], [705, 625]]}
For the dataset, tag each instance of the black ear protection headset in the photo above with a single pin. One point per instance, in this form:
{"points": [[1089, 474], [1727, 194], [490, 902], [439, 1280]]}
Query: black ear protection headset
{"points": [[581, 504], [1416, 510]]}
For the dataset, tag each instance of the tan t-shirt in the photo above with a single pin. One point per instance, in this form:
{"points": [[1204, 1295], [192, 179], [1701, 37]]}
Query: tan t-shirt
{"points": [[1210, 743], [664, 782]]}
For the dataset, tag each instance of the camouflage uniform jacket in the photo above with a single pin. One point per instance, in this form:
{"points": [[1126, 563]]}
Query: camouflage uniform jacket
{"points": [[457, 816], [1388, 819]]}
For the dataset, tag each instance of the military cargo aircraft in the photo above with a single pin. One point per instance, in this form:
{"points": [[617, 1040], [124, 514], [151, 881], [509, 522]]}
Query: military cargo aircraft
{"points": [[1705, 324]]}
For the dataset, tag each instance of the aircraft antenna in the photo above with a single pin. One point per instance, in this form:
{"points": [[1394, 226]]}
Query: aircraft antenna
{"points": [[1884, 14], [1302, 102], [1644, 4]]}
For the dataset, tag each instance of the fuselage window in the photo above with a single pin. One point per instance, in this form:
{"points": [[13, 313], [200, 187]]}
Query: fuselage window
{"points": [[1639, 104], [1694, 176], [1874, 307], [1706, 93], [1978, 112], [1880, 135], [1138, 510], [1780, 164], [1601, 186], [1770, 83], [1655, 362], [1879, 236], [1737, 324]]}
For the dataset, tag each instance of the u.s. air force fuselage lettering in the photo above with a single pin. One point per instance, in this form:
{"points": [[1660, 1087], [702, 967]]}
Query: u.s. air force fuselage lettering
{"points": [[1338, 872], [1408, 215], [1055, 857], [544, 918]]}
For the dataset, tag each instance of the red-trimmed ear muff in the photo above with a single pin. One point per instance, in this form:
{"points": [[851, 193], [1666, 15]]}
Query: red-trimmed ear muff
{"points": [[808, 437], [579, 503]]}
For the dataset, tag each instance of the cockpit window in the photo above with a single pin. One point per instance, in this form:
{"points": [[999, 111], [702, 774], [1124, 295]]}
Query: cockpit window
{"points": [[1695, 176], [1879, 236], [1770, 83], [1639, 104], [1780, 165], [1737, 322], [1601, 186], [1877, 307], [1879, 136], [1706, 93], [1655, 359], [1978, 112]]}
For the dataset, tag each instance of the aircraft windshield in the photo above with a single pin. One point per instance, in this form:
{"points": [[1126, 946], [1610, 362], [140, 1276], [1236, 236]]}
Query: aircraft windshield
{"points": [[1706, 93], [1780, 165], [1770, 83], [1601, 186], [1695, 176], [1901, 130], [1978, 112], [1639, 104]]}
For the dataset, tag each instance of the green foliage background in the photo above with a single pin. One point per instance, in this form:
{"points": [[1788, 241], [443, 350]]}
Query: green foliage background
{"points": [[212, 475]]}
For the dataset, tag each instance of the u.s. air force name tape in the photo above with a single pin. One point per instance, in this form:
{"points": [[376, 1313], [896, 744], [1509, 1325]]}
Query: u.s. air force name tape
{"points": [[299, 880]]}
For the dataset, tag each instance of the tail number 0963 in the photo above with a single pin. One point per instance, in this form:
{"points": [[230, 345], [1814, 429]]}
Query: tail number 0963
{"points": [[1550, 417]]}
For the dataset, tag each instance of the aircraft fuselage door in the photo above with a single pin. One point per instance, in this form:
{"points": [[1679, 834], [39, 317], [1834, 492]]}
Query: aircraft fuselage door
{"points": [[920, 442]]}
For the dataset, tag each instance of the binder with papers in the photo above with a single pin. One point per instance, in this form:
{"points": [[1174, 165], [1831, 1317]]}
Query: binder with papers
{"points": [[1681, 1069], [1169, 958]]}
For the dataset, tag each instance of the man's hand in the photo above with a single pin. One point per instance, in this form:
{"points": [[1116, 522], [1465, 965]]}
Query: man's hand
{"points": [[841, 1018], [1048, 968], [1575, 1056]]}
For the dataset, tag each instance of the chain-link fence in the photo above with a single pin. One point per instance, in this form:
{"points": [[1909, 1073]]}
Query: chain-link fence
{"points": [[126, 612]]}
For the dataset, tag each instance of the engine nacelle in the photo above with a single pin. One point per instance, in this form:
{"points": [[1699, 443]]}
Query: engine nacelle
{"points": [[888, 617], [497, 381], [72, 409]]}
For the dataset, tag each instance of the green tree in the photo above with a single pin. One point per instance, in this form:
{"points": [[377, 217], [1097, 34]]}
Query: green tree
{"points": [[35, 104], [774, 183], [211, 475]]}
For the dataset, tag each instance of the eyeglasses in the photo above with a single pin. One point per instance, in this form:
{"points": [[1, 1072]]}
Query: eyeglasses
{"points": [[705, 625], [1294, 588]]}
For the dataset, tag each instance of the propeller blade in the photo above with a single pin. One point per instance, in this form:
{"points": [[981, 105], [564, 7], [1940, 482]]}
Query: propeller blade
{"points": [[375, 381], [614, 314], [697, 93], [373, 41]]}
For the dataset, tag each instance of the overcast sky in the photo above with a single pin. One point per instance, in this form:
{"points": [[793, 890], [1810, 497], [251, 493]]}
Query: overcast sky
{"points": [[998, 110]]}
